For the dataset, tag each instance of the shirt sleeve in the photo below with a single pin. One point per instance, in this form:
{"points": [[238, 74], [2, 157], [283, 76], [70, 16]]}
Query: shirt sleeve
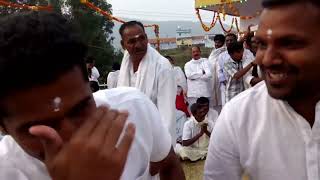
{"points": [[223, 160], [192, 75], [95, 73], [206, 68], [229, 69], [187, 131], [12, 173], [221, 76]]}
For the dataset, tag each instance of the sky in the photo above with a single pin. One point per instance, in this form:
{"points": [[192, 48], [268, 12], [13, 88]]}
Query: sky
{"points": [[158, 10]]}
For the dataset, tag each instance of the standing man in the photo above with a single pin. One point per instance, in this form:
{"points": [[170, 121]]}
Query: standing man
{"points": [[247, 57], [180, 77], [94, 72], [219, 41], [272, 130], [112, 79], [145, 69], [198, 76], [234, 70], [56, 128]]}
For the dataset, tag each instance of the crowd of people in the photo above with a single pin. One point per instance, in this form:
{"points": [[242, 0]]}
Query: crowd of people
{"points": [[245, 108]]}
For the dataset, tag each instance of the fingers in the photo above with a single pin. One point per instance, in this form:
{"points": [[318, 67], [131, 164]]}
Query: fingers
{"points": [[99, 134], [126, 142], [90, 124], [51, 140], [116, 129]]}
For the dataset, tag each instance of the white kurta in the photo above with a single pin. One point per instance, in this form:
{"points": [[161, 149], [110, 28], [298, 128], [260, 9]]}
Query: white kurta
{"points": [[94, 74], [198, 150], [181, 80], [155, 78], [198, 83], [216, 98], [152, 141], [264, 137], [112, 79]]}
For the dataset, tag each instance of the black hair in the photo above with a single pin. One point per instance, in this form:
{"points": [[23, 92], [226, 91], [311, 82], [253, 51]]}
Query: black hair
{"points": [[169, 58], [130, 24], [219, 37], [235, 47], [232, 35], [203, 100], [197, 47], [90, 60], [194, 108], [116, 66], [37, 48], [248, 40], [273, 3]]}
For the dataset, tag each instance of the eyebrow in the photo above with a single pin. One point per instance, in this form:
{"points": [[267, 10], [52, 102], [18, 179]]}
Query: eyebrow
{"points": [[52, 121]]}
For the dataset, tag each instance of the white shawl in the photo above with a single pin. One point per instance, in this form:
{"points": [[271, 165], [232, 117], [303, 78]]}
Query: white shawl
{"points": [[146, 72]]}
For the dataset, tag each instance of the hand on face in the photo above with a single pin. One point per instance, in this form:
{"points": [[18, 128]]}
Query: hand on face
{"points": [[91, 153]]}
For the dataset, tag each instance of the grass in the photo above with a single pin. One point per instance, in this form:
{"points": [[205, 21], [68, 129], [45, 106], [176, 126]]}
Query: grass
{"points": [[194, 171]]}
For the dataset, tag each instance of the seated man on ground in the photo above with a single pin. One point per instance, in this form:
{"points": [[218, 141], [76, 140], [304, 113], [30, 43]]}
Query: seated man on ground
{"points": [[56, 129], [204, 105], [196, 134]]}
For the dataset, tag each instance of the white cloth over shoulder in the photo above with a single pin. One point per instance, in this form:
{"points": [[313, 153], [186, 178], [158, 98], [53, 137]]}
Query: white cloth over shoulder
{"points": [[94, 75], [215, 83], [112, 79], [154, 78], [181, 79], [152, 142], [198, 78], [264, 137]]}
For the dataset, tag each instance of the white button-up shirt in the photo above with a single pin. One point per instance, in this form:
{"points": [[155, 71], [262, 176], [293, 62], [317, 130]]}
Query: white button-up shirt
{"points": [[198, 82], [264, 137]]}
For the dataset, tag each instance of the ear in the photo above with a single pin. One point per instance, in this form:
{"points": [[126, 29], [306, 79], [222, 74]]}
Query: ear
{"points": [[3, 129], [122, 45]]}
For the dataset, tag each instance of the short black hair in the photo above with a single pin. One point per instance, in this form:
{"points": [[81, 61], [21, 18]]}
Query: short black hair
{"points": [[196, 46], [235, 47], [248, 40], [169, 58], [203, 100], [273, 3], [116, 66], [130, 24], [194, 108], [232, 35], [90, 60], [219, 37], [37, 48]]}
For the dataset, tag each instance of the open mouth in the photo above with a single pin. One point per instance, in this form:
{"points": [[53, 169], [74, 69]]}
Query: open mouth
{"points": [[277, 77]]}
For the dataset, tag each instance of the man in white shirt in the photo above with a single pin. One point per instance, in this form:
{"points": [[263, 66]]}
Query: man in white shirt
{"points": [[272, 130], [94, 74], [198, 76], [247, 59], [196, 134], [144, 68], [56, 128], [219, 41], [180, 77], [112, 78]]}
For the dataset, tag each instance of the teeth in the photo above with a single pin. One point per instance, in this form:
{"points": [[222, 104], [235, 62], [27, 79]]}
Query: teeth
{"points": [[278, 76]]}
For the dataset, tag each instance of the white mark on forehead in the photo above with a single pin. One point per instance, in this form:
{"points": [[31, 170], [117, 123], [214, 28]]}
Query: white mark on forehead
{"points": [[56, 104], [269, 33]]}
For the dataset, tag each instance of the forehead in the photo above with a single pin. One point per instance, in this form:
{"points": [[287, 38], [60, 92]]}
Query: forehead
{"points": [[286, 20], [195, 49], [132, 31], [38, 103]]}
